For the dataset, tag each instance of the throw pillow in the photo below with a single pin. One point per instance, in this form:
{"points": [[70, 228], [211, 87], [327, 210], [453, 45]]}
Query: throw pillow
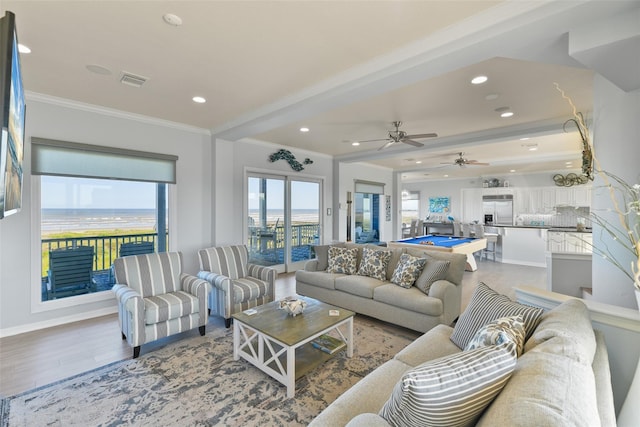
{"points": [[374, 263], [407, 270], [500, 331], [342, 260], [450, 391], [487, 305], [434, 270]]}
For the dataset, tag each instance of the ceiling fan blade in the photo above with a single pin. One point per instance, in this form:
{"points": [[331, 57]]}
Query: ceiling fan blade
{"points": [[412, 142], [473, 163], [422, 135], [387, 145], [373, 140]]}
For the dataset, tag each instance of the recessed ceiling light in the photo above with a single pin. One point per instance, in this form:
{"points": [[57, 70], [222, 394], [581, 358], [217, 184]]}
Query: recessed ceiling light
{"points": [[568, 163], [171, 19], [533, 148], [446, 176], [525, 138], [479, 80], [23, 49], [303, 129], [418, 162], [512, 170], [99, 69], [199, 99], [506, 114], [491, 96], [355, 143]]}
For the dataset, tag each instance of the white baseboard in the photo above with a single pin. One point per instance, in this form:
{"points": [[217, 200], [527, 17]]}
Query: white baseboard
{"points": [[7, 332], [527, 263]]}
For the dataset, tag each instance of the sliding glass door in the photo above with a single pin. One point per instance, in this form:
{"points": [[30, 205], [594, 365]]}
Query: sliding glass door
{"points": [[283, 220]]}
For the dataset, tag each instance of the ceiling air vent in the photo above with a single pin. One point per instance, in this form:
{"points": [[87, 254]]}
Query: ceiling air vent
{"points": [[132, 79]]}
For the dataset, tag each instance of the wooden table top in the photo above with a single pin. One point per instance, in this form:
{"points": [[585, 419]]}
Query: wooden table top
{"points": [[278, 324]]}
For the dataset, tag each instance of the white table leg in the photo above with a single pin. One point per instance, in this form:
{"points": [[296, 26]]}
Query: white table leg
{"points": [[291, 372], [236, 340], [350, 337]]}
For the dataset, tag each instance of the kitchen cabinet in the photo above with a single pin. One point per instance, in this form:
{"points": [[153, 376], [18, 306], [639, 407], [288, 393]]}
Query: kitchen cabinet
{"points": [[497, 190], [548, 200], [573, 196], [524, 246], [472, 205], [569, 243], [522, 200]]}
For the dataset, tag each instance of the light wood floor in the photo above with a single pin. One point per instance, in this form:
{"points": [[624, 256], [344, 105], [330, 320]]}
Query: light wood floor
{"points": [[38, 358]]}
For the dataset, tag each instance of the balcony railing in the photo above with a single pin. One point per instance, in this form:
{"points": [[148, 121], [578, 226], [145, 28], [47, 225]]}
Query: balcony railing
{"points": [[105, 247]]}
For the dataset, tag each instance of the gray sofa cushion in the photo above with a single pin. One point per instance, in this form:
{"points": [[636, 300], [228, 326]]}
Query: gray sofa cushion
{"points": [[433, 344], [409, 299], [546, 390], [362, 286], [320, 279], [565, 330]]}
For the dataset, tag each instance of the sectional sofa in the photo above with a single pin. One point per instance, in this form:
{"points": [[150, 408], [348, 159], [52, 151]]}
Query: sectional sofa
{"points": [[379, 298], [562, 378]]}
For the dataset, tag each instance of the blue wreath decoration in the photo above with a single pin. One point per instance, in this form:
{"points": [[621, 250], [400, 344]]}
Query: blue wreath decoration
{"points": [[290, 158]]}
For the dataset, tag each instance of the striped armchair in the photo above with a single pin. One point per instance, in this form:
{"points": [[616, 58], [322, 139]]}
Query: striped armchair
{"points": [[235, 284], [155, 299]]}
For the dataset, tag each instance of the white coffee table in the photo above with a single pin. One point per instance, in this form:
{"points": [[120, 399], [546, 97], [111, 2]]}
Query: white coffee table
{"points": [[280, 344]]}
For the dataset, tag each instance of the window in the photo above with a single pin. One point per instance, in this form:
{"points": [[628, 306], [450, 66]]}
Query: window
{"points": [[99, 214], [410, 206], [96, 203]]}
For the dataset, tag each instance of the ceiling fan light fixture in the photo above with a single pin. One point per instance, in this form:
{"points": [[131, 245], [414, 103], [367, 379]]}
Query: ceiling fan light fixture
{"points": [[355, 143]]}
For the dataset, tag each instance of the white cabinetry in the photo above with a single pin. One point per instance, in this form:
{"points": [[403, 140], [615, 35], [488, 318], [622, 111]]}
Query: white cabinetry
{"points": [[472, 205], [573, 196], [569, 243]]}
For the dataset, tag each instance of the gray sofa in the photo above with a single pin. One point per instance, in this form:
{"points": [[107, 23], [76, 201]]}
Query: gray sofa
{"points": [[561, 379], [382, 299]]}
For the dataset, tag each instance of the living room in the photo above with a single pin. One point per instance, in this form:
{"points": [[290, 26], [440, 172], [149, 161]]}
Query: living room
{"points": [[209, 194]]}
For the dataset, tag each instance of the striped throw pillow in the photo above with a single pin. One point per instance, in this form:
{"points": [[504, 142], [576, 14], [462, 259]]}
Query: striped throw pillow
{"points": [[434, 270], [450, 391], [487, 305]]}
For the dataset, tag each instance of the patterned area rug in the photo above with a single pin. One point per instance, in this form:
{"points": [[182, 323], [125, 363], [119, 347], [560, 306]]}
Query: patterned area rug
{"points": [[196, 382]]}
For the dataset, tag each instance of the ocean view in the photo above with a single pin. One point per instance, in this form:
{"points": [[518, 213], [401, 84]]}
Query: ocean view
{"points": [[59, 220]]}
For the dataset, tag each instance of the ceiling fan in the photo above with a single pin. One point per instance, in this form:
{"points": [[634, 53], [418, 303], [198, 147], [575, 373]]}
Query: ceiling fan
{"points": [[398, 136], [462, 161]]}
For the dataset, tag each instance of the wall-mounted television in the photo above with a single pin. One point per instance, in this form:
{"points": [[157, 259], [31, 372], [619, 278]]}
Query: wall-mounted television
{"points": [[12, 116]]}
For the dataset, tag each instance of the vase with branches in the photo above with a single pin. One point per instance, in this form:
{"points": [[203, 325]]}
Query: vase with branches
{"points": [[625, 199]]}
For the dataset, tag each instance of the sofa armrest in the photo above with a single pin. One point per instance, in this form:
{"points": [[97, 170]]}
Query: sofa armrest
{"points": [[451, 297], [129, 298], [131, 312], [193, 285], [268, 274], [311, 265], [368, 420], [216, 280]]}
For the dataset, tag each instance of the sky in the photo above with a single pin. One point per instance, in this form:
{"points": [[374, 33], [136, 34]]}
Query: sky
{"points": [[65, 192], [304, 195]]}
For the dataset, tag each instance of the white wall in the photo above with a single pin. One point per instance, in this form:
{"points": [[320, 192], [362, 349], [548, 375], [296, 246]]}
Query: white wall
{"points": [[63, 120], [349, 173], [616, 139], [234, 159]]}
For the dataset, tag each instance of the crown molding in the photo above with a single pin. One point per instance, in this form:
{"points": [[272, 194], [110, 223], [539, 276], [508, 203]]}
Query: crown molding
{"points": [[111, 112]]}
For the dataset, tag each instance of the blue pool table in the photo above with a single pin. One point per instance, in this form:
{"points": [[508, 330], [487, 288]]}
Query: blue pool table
{"points": [[431, 242]]}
